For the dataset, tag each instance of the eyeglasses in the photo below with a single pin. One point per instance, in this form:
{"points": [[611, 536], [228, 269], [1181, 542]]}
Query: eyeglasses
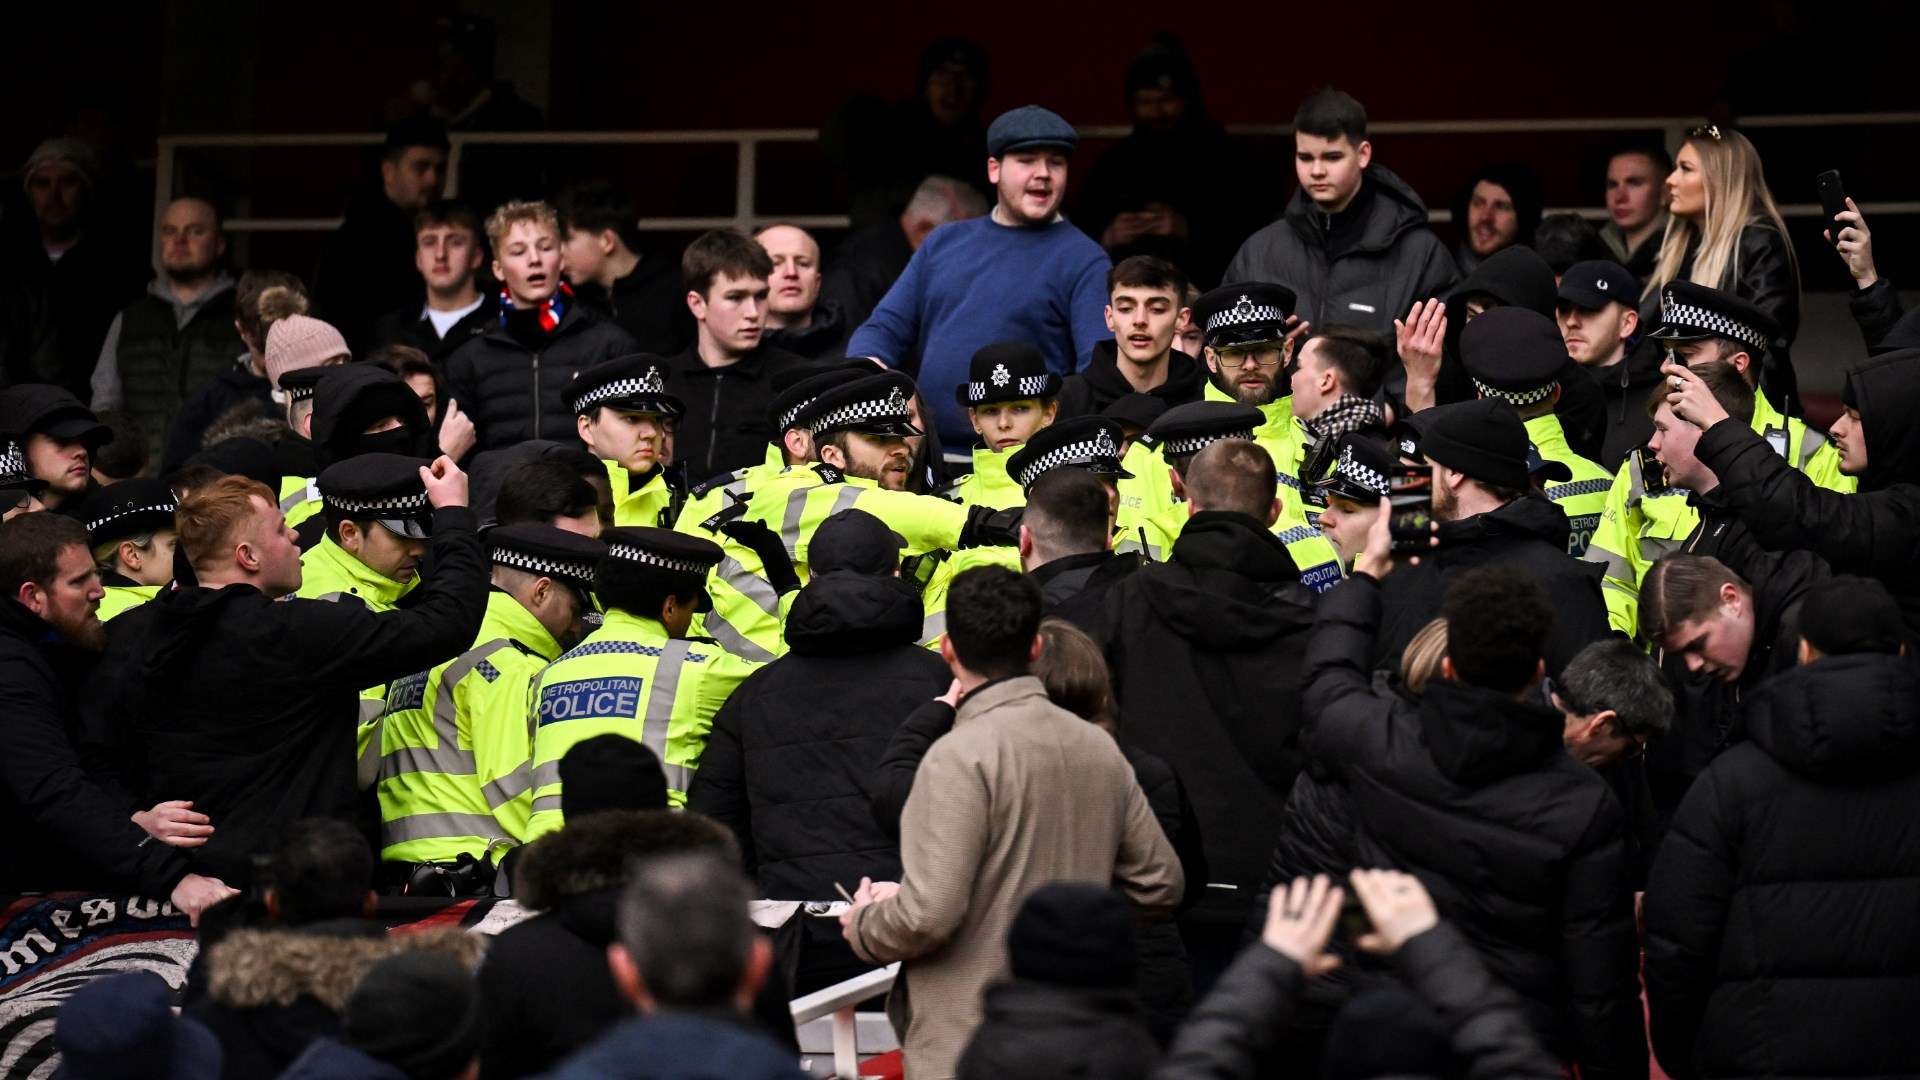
{"points": [[1258, 356], [1705, 131]]}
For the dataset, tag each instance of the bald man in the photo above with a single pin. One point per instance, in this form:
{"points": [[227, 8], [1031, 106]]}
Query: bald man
{"points": [[797, 319], [170, 342]]}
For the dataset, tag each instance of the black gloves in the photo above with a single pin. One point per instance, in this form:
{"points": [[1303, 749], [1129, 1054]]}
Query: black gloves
{"points": [[764, 542], [987, 527]]}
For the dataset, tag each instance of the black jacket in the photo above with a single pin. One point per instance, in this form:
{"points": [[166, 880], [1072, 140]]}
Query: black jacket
{"points": [[218, 395], [1884, 321], [1875, 532], [1221, 201], [1205, 652], [650, 304], [785, 763], [515, 393], [1624, 387], [247, 705], [70, 825], [1100, 383], [1235, 1032], [1780, 932], [1032, 1029], [1521, 846], [407, 326], [863, 268], [1074, 587], [367, 269], [1762, 274], [1528, 533], [725, 425], [545, 989], [824, 340]]}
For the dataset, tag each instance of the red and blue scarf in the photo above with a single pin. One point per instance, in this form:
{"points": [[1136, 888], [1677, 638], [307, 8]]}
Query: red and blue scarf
{"points": [[552, 309]]}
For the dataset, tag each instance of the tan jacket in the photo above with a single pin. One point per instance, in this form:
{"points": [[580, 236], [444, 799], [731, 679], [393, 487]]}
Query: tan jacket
{"points": [[1021, 793]]}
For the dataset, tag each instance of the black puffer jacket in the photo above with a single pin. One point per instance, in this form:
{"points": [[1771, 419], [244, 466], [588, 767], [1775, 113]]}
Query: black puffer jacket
{"points": [[1100, 383], [1036, 1030], [1205, 652], [513, 392], [1781, 938], [786, 760], [1875, 532], [1521, 846], [1528, 533]]}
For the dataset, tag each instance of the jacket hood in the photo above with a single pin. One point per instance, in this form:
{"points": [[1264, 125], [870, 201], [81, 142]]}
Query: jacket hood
{"points": [[1186, 377], [1231, 584], [257, 968], [349, 399], [1529, 515], [1516, 276], [1841, 717], [181, 619], [1477, 736], [1522, 186], [1394, 210], [845, 613], [1886, 390], [828, 328]]}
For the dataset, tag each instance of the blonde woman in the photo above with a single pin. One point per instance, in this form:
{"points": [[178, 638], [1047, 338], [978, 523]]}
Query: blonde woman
{"points": [[1725, 232]]}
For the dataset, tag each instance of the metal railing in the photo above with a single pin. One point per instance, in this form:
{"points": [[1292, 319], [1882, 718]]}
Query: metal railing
{"points": [[748, 141]]}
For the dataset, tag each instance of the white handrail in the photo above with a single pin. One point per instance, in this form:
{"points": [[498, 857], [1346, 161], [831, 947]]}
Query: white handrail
{"points": [[838, 1001]]}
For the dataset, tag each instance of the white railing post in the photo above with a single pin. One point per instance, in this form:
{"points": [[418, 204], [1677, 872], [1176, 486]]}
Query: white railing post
{"points": [[743, 194], [456, 142]]}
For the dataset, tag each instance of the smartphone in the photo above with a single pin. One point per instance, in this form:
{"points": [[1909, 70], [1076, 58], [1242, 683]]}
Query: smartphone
{"points": [[1410, 501], [1833, 199], [1653, 474]]}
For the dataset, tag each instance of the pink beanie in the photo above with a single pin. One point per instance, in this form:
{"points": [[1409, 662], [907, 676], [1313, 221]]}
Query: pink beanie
{"points": [[299, 341]]}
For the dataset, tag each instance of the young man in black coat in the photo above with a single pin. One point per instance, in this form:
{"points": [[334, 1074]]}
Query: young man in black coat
{"points": [[1780, 931], [788, 754], [1205, 652], [1487, 516], [1471, 790]]}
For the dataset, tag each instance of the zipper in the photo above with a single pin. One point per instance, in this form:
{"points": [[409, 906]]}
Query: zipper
{"points": [[536, 395], [713, 419]]}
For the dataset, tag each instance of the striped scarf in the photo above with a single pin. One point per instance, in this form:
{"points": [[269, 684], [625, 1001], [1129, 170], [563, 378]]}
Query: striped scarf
{"points": [[1350, 413], [552, 309]]}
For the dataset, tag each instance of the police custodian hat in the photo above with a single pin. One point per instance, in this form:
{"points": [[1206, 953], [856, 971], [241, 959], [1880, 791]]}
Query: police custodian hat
{"points": [[1007, 371], [1360, 472], [128, 508], [14, 475], [545, 550], [796, 385], [1191, 428], [674, 558], [1244, 314], [875, 405], [1514, 354], [1690, 312], [1086, 442], [380, 487], [630, 383], [300, 383]]}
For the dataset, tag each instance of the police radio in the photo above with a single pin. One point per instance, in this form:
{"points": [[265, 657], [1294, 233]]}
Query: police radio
{"points": [[1653, 473]]}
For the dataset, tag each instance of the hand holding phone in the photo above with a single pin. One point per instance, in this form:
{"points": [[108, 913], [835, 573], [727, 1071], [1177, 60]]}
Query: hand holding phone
{"points": [[1410, 504], [1833, 202]]}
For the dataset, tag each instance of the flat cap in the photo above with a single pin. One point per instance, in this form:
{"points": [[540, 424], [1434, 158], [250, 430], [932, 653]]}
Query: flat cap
{"points": [[1190, 428], [1029, 127], [43, 409], [1085, 442], [632, 383]]}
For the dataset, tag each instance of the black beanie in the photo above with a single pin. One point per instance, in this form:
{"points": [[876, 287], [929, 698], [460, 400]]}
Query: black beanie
{"points": [[417, 1011], [1071, 934], [1852, 615], [610, 772], [1386, 1032]]}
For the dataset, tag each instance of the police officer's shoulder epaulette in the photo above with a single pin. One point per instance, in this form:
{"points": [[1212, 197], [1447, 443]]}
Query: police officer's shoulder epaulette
{"points": [[951, 492], [725, 514], [828, 473], [698, 640], [700, 490]]}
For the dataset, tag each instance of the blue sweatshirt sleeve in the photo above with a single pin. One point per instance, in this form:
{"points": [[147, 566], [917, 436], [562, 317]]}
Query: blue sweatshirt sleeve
{"points": [[1088, 311], [892, 332]]}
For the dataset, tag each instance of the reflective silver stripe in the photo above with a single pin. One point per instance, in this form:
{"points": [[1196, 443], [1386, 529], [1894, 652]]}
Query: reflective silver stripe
{"points": [[546, 773], [508, 788], [733, 640], [845, 500], [1811, 440], [543, 803], [790, 521], [750, 585], [367, 769], [679, 777], [666, 687], [439, 827], [298, 496], [1652, 547], [1616, 565], [420, 759], [448, 757], [933, 626]]}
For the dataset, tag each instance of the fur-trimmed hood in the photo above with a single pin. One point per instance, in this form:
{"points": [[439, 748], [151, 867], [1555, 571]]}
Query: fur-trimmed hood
{"points": [[258, 968]]}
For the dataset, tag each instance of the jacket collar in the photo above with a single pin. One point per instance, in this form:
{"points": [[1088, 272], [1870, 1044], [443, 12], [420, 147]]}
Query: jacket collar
{"points": [[506, 618], [998, 693], [618, 625], [1278, 412], [1046, 572], [161, 289], [340, 564], [1549, 438]]}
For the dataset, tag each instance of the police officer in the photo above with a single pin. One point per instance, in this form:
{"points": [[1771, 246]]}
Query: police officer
{"points": [[1351, 491], [1009, 395], [456, 771], [1173, 438], [1701, 328], [624, 414], [299, 495], [20, 490], [1515, 355], [130, 529], [638, 675]]}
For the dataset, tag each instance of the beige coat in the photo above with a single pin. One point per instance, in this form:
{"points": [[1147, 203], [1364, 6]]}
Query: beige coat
{"points": [[1019, 794]]}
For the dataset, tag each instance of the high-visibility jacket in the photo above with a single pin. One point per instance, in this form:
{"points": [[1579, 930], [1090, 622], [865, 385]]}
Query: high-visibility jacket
{"points": [[647, 505], [299, 498], [628, 678], [1144, 497], [456, 752], [120, 599], [987, 485], [1638, 526], [329, 572], [1584, 497], [725, 490]]}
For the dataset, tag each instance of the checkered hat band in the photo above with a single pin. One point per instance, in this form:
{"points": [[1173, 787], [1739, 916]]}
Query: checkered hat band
{"points": [[860, 412], [13, 463], [161, 508], [1240, 314], [656, 560], [397, 505], [1516, 397], [1027, 386], [1360, 474], [787, 418], [1711, 322], [299, 393], [619, 388], [1193, 444], [1087, 452], [541, 564]]}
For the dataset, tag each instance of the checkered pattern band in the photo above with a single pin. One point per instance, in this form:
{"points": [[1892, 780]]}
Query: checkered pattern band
{"points": [[787, 418], [1245, 311], [543, 565], [13, 464], [648, 384], [1516, 397], [393, 505], [1098, 451], [1029, 386], [654, 559], [1708, 322], [1193, 444], [161, 508], [1359, 473], [892, 408], [299, 393]]}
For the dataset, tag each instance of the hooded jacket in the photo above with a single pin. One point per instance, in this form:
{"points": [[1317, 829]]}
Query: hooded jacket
{"points": [[1520, 845], [784, 764], [1786, 887], [1522, 187], [211, 400], [514, 393], [1205, 653], [350, 399], [1039, 1030], [1100, 383], [823, 340], [1528, 533], [1875, 531], [1389, 260]]}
